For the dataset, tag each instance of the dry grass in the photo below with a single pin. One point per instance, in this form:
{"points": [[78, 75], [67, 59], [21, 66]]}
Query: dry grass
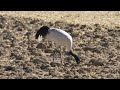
{"points": [[74, 17]]}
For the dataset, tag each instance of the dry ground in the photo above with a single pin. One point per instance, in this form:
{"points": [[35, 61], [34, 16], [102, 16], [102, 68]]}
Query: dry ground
{"points": [[96, 39]]}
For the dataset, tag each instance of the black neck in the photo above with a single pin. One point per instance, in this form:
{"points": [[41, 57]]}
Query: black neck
{"points": [[75, 56]]}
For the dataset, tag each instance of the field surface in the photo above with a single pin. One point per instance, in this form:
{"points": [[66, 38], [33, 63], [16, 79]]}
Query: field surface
{"points": [[96, 39]]}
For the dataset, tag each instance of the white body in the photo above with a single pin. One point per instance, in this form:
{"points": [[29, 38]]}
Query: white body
{"points": [[60, 38]]}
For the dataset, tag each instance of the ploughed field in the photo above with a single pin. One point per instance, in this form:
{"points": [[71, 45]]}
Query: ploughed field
{"points": [[23, 57]]}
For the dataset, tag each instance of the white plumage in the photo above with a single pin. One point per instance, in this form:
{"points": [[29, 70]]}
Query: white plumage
{"points": [[59, 37]]}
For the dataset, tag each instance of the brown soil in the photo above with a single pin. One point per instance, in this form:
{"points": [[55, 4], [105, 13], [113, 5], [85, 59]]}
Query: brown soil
{"points": [[22, 57]]}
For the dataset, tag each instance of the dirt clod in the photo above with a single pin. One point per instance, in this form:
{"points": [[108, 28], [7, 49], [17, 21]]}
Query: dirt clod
{"points": [[24, 57]]}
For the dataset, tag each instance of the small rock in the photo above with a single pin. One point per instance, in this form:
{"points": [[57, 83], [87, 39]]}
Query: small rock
{"points": [[76, 76], [27, 69], [40, 45], [83, 26], [2, 26], [19, 29], [67, 76], [32, 77], [75, 34], [44, 66], [34, 21], [53, 64], [9, 68], [48, 50], [80, 71], [95, 62], [18, 77], [17, 56], [36, 61]]}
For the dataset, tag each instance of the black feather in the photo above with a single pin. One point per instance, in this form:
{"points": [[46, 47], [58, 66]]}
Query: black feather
{"points": [[43, 31], [75, 56]]}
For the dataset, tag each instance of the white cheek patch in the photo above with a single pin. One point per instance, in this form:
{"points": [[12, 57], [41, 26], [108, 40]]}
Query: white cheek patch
{"points": [[40, 38]]}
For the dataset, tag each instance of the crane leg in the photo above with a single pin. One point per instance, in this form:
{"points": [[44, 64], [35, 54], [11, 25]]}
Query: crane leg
{"points": [[58, 52]]}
